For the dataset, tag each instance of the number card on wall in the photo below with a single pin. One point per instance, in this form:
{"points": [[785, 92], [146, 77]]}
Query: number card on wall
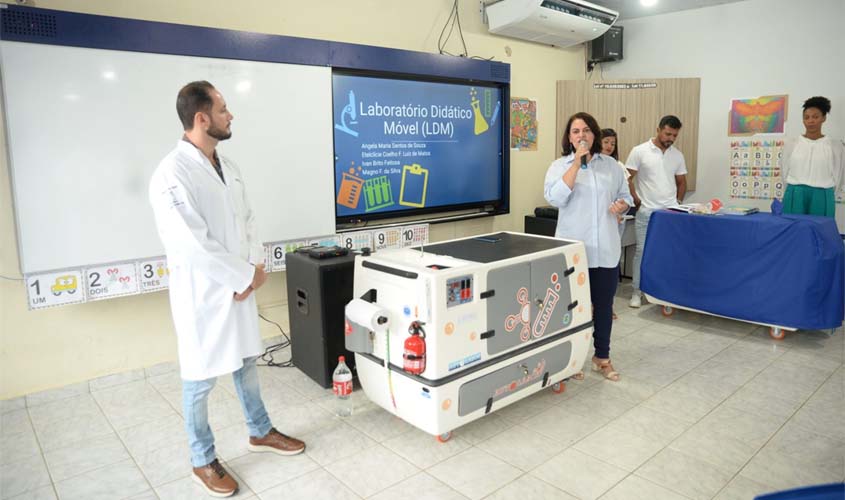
{"points": [[278, 251], [387, 238], [55, 289], [414, 235], [113, 280], [154, 275], [325, 241], [357, 240], [277, 257]]}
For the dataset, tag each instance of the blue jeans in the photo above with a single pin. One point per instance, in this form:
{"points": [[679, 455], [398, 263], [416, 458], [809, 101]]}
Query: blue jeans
{"points": [[195, 409], [640, 227]]}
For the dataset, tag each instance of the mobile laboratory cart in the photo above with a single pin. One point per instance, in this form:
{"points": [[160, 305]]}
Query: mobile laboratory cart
{"points": [[502, 316], [786, 272]]}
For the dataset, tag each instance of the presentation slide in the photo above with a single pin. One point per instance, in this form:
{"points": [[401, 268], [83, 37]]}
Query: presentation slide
{"points": [[403, 145]]}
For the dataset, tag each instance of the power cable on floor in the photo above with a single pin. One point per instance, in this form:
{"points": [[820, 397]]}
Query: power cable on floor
{"points": [[268, 356]]}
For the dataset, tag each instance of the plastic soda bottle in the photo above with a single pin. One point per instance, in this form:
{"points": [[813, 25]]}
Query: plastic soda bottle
{"points": [[342, 386]]}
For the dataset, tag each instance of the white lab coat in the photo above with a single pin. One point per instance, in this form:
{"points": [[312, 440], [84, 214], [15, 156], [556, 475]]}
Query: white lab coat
{"points": [[208, 231]]}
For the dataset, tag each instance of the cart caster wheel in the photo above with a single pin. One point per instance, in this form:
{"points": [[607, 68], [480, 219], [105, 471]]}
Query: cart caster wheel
{"points": [[777, 333], [559, 388], [667, 311], [578, 376], [442, 438]]}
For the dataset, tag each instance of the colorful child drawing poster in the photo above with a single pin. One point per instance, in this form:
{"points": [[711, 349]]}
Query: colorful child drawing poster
{"points": [[523, 124], [760, 115]]}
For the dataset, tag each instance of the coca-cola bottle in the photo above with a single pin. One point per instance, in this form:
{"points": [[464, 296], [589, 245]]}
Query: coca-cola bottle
{"points": [[342, 386]]}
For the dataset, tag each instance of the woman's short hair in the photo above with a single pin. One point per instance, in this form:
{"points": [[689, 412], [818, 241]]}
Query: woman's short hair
{"points": [[567, 147], [818, 102], [609, 132]]}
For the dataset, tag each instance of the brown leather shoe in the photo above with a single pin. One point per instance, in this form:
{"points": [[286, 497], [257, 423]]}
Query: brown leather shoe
{"points": [[215, 480], [276, 442]]}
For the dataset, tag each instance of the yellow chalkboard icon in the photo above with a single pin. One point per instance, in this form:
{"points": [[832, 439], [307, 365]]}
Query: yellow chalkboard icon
{"points": [[414, 185], [66, 283]]}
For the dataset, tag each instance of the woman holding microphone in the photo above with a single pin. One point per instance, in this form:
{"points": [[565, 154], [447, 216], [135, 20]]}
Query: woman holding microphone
{"points": [[590, 190]]}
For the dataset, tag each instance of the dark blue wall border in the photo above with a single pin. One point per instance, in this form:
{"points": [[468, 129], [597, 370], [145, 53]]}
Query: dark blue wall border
{"points": [[55, 27]]}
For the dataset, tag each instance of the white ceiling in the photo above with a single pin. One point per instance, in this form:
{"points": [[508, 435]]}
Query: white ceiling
{"points": [[630, 9]]}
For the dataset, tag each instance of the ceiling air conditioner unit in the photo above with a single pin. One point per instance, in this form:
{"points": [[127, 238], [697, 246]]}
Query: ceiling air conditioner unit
{"points": [[561, 23]]}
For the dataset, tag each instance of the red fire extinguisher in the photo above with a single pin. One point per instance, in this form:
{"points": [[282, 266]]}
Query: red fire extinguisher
{"points": [[414, 355]]}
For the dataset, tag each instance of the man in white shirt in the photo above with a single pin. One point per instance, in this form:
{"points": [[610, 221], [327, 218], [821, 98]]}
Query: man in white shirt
{"points": [[215, 259], [658, 180]]}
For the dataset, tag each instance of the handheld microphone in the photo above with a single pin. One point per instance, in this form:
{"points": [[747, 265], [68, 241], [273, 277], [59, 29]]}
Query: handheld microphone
{"points": [[583, 144]]}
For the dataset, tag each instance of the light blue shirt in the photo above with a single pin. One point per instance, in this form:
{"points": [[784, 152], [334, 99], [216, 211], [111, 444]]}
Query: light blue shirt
{"points": [[584, 211]]}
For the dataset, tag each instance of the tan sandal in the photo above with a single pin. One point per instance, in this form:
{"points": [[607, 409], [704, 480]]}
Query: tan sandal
{"points": [[604, 367]]}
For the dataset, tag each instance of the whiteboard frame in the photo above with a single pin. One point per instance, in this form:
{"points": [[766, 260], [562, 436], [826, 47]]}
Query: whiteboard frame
{"points": [[53, 27]]}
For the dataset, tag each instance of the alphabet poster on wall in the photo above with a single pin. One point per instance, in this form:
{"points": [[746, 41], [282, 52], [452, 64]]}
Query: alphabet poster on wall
{"points": [[756, 169]]}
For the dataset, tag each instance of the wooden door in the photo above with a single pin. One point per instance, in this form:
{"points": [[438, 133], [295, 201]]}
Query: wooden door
{"points": [[633, 109]]}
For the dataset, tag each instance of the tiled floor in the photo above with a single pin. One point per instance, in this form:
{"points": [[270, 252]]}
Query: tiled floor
{"points": [[706, 408]]}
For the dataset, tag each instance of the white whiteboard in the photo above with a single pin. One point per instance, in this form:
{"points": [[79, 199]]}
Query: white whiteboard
{"points": [[87, 127]]}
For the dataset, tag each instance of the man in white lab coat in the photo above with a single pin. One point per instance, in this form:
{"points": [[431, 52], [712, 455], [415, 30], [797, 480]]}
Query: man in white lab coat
{"points": [[216, 263]]}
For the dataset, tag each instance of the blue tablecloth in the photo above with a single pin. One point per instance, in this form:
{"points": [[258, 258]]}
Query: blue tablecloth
{"points": [[783, 270]]}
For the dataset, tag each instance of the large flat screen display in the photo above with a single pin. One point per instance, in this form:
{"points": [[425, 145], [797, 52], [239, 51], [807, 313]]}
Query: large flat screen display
{"points": [[408, 146]]}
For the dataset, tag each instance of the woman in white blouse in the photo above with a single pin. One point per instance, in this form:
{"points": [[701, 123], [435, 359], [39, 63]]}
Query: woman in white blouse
{"points": [[812, 165], [590, 190]]}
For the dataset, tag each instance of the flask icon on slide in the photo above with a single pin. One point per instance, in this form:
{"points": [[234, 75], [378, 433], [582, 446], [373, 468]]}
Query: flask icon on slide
{"points": [[342, 387]]}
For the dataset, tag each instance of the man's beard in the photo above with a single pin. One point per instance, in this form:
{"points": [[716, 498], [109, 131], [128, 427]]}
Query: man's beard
{"points": [[219, 133]]}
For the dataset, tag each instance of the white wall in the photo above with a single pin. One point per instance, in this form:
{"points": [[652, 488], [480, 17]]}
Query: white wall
{"points": [[59, 346], [743, 50]]}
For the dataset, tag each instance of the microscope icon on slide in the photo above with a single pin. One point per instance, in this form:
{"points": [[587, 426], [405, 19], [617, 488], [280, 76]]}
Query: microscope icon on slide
{"points": [[348, 110]]}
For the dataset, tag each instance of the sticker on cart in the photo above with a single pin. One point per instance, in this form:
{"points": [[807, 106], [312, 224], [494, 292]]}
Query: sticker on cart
{"points": [[523, 317], [515, 384], [472, 358], [384, 239], [154, 275], [114, 280], [546, 310], [458, 290], [55, 289]]}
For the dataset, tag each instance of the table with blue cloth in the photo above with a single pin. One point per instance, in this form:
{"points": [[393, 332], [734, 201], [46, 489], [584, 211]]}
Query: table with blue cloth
{"points": [[779, 270]]}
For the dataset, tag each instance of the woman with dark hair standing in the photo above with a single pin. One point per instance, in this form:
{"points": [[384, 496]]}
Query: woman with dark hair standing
{"points": [[812, 165], [610, 147], [590, 190]]}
